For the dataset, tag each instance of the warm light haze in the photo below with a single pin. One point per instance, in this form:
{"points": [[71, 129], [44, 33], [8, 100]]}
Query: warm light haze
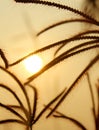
{"points": [[33, 64]]}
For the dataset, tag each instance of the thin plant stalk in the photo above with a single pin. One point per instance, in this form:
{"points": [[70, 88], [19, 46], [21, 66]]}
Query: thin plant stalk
{"points": [[59, 6], [20, 85], [64, 22], [4, 58], [58, 59], [60, 115], [64, 42], [16, 97], [95, 60]]}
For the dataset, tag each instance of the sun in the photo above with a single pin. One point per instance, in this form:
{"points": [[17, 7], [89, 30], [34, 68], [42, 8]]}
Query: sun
{"points": [[33, 64]]}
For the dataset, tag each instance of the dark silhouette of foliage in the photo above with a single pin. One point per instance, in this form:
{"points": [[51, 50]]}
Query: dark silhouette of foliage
{"points": [[30, 116]]}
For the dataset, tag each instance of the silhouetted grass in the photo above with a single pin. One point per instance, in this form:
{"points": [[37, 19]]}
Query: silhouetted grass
{"points": [[89, 41]]}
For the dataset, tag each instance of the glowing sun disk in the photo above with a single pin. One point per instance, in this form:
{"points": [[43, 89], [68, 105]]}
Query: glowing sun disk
{"points": [[33, 64]]}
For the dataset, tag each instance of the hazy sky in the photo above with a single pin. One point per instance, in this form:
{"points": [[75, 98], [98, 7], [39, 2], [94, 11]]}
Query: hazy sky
{"points": [[19, 25]]}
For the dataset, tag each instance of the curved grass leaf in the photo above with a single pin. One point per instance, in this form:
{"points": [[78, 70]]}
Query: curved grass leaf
{"points": [[16, 97], [33, 114], [64, 22], [56, 44], [47, 106], [20, 85], [11, 121], [78, 39], [58, 114], [59, 6], [12, 111], [4, 58], [59, 59], [95, 60]]}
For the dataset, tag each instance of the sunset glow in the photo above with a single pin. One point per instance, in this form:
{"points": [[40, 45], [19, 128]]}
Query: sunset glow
{"points": [[33, 64]]}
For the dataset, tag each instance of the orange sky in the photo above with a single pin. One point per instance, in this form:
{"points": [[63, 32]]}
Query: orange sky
{"points": [[19, 25]]}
